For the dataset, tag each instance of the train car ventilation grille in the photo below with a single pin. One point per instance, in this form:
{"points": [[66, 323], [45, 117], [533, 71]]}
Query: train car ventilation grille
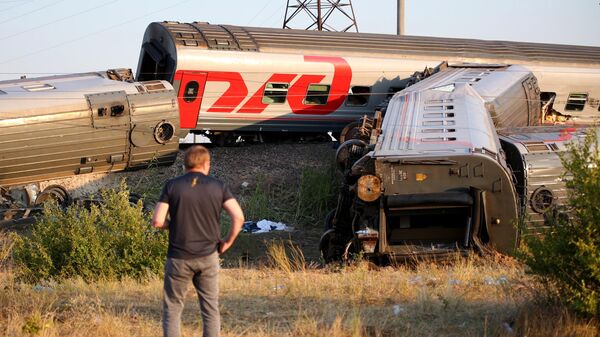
{"points": [[536, 146], [553, 147], [474, 76], [153, 86]]}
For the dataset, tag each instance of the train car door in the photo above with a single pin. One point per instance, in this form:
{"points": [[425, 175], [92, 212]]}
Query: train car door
{"points": [[191, 90], [108, 142]]}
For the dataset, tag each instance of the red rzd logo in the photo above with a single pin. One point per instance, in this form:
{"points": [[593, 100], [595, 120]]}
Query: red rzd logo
{"points": [[190, 95]]}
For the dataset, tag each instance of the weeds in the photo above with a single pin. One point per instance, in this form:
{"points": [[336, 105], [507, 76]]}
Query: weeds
{"points": [[286, 256], [111, 240]]}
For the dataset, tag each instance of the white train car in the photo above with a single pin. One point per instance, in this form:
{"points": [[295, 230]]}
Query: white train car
{"points": [[62, 126], [231, 78]]}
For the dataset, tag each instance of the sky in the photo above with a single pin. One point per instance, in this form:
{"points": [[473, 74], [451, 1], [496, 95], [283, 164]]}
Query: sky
{"points": [[41, 37]]}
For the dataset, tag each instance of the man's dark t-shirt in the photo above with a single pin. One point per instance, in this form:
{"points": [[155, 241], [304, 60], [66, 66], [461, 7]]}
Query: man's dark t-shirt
{"points": [[195, 203]]}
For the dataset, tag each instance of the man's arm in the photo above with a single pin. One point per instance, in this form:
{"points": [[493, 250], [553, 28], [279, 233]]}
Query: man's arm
{"points": [[160, 215], [234, 210]]}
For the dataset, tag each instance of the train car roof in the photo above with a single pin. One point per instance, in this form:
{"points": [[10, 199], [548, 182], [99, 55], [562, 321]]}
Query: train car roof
{"points": [[538, 139], [434, 122], [36, 95], [227, 37]]}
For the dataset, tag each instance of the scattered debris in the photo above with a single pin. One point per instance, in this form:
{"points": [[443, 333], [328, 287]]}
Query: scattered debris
{"points": [[40, 289], [415, 279], [453, 282], [495, 282], [245, 184], [264, 226], [279, 287], [397, 309]]}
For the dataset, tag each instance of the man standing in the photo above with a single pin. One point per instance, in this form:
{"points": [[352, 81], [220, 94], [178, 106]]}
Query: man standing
{"points": [[194, 202]]}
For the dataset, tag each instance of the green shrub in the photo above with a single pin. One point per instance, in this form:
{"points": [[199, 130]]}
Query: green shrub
{"points": [[569, 254], [111, 240]]}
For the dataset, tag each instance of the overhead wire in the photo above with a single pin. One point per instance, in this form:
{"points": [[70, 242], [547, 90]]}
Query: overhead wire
{"points": [[54, 3], [93, 33], [259, 12], [59, 20], [20, 3]]}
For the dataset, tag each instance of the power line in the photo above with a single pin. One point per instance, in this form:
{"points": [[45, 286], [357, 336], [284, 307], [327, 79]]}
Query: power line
{"points": [[259, 12], [31, 12], [58, 20], [20, 3], [93, 33]]}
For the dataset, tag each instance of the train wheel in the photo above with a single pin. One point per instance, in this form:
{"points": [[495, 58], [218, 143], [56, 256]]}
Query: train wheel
{"points": [[349, 152], [328, 222], [330, 247], [54, 193], [356, 130]]}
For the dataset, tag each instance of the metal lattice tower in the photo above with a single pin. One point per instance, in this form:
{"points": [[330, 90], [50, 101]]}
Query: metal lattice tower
{"points": [[329, 15]]}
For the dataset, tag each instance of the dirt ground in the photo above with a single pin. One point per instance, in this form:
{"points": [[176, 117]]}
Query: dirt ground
{"points": [[273, 169]]}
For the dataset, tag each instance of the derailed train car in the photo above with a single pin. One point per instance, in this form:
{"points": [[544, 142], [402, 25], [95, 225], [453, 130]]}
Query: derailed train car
{"points": [[249, 80], [61, 126], [449, 167]]}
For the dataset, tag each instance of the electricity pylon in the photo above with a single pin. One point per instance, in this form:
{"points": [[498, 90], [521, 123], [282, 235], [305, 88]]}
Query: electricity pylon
{"points": [[320, 15]]}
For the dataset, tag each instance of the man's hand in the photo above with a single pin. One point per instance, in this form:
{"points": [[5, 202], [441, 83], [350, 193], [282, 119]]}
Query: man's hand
{"points": [[224, 246], [237, 219], [160, 215]]}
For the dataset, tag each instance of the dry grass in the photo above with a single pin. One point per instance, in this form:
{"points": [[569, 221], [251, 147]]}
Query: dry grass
{"points": [[467, 297]]}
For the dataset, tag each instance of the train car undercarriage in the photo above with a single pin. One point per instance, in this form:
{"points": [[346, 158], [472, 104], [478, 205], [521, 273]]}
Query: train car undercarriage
{"points": [[431, 176]]}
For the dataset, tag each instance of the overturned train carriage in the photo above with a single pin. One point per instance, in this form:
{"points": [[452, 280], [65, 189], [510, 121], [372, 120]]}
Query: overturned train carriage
{"points": [[434, 175], [61, 126]]}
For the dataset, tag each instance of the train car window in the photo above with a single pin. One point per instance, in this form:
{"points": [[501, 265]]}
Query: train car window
{"points": [[38, 87], [317, 94], [117, 110], [191, 91], [358, 96], [576, 101], [275, 93], [101, 112]]}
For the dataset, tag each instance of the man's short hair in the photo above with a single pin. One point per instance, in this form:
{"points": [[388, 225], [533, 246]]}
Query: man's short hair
{"points": [[195, 157]]}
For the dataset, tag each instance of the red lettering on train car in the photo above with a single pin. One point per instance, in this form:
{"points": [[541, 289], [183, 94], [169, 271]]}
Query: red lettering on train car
{"points": [[340, 84], [238, 91], [233, 96], [255, 103]]}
